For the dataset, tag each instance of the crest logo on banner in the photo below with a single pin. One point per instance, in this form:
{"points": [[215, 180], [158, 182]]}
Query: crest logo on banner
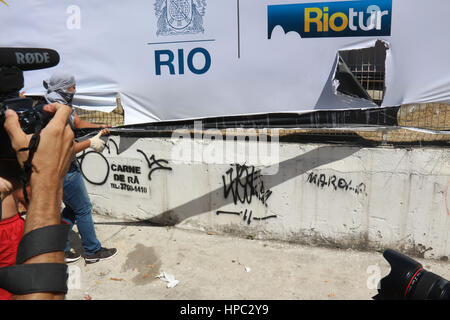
{"points": [[179, 16]]}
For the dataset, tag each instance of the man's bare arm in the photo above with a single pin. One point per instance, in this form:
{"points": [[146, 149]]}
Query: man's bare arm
{"points": [[80, 146], [50, 164]]}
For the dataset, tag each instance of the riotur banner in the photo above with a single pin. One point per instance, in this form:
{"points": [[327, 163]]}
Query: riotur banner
{"points": [[184, 59]]}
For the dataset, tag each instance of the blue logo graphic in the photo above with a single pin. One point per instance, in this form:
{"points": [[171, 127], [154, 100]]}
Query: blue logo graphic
{"points": [[366, 18], [179, 16]]}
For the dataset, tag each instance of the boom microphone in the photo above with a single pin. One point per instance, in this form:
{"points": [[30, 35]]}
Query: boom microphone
{"points": [[28, 58]]}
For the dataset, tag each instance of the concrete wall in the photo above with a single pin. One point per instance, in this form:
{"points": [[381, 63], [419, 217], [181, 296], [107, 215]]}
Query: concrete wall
{"points": [[346, 196]]}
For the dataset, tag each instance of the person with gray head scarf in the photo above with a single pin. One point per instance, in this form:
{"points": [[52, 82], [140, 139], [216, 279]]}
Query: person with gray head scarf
{"points": [[61, 88]]}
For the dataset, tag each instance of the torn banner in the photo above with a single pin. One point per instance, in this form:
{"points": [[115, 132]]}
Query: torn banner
{"points": [[203, 58]]}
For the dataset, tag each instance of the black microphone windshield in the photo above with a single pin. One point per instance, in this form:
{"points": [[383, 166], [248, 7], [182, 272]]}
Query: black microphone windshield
{"points": [[28, 58]]}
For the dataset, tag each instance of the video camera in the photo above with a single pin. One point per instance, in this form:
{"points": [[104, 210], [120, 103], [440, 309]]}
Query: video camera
{"points": [[13, 61]]}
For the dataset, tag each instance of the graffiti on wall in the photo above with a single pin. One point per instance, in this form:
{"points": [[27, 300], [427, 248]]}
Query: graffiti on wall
{"points": [[247, 215], [335, 183], [122, 175], [152, 161], [244, 184]]}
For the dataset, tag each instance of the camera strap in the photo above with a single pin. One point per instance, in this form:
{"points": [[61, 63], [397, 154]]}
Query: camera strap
{"points": [[33, 278], [37, 277], [27, 166], [42, 240]]}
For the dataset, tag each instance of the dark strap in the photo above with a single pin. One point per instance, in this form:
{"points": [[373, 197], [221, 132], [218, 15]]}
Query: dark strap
{"points": [[42, 240], [33, 278], [27, 166]]}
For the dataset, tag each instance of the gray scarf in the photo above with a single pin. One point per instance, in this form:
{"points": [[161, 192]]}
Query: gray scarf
{"points": [[57, 87]]}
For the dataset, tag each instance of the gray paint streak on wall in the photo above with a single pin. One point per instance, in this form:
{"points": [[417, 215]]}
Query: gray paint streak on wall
{"points": [[125, 143]]}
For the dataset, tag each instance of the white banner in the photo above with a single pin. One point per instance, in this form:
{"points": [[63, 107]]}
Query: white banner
{"points": [[181, 59]]}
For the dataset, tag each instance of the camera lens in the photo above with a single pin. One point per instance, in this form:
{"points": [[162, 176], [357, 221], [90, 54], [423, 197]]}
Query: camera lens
{"points": [[430, 287], [409, 281]]}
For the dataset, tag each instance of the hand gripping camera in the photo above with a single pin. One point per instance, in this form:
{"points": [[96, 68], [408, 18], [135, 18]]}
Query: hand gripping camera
{"points": [[37, 277]]}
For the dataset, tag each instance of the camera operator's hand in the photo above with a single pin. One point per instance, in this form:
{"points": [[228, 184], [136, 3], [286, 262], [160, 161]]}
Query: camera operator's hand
{"points": [[50, 164], [52, 157]]}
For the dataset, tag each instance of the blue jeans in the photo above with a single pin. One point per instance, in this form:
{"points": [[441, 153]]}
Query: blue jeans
{"points": [[78, 209]]}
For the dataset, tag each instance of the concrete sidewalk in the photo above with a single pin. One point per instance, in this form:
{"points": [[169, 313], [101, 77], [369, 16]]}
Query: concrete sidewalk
{"points": [[211, 266]]}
